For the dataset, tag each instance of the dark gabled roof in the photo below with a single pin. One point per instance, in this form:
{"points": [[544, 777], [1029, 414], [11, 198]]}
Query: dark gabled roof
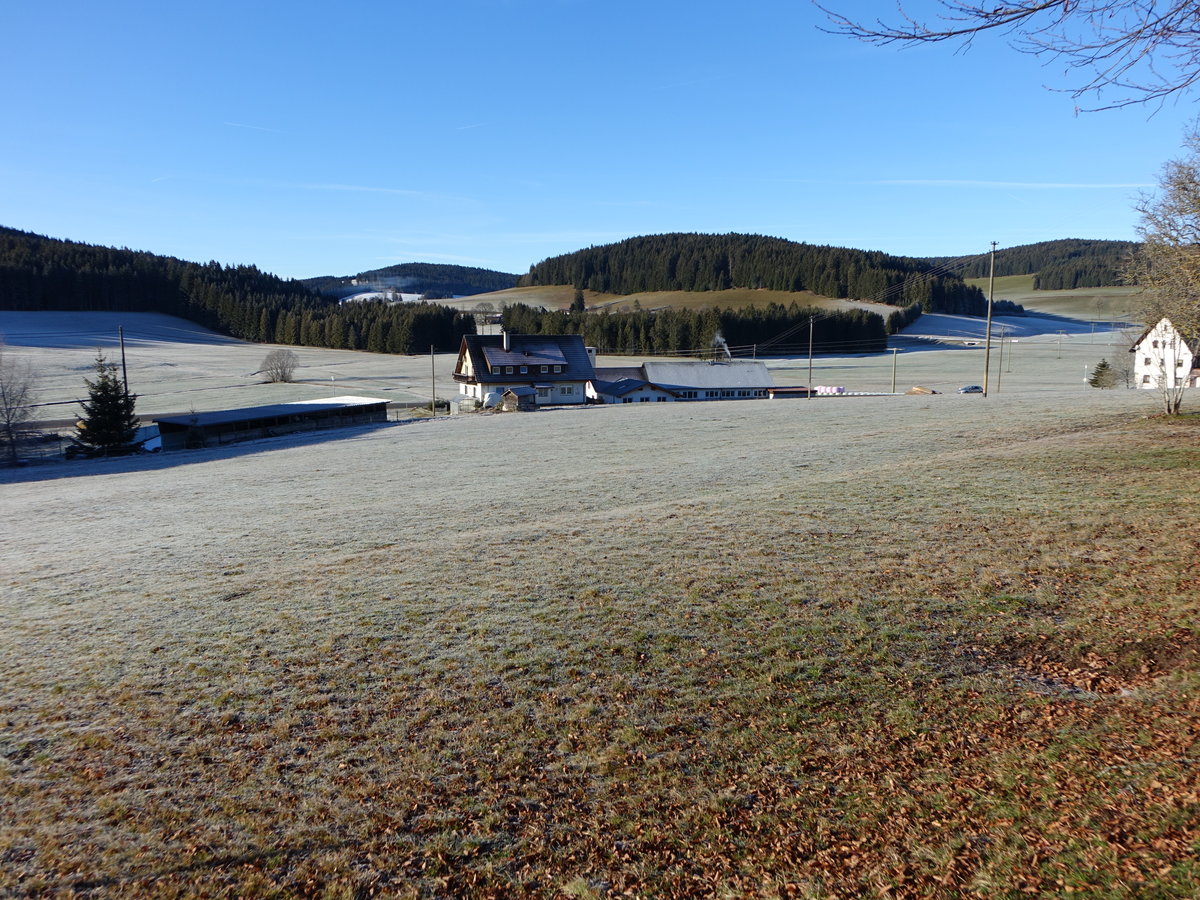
{"points": [[520, 391], [271, 411], [532, 350], [527, 353], [620, 387]]}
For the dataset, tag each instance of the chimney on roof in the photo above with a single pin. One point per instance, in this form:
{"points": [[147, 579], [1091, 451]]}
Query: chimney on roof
{"points": [[504, 334]]}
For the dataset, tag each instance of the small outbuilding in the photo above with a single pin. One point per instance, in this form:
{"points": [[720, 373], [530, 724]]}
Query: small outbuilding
{"points": [[209, 429], [520, 399]]}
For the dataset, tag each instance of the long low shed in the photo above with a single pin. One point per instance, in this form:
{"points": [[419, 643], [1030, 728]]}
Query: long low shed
{"points": [[227, 426]]}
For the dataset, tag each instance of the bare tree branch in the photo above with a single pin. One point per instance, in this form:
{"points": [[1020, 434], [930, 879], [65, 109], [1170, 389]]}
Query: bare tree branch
{"points": [[16, 403], [1145, 50]]}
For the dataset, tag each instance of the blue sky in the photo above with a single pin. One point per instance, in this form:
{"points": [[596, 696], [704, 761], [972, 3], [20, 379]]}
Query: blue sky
{"points": [[314, 139]]}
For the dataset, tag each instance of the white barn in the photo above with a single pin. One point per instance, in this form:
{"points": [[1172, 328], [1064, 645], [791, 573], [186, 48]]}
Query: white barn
{"points": [[682, 380]]}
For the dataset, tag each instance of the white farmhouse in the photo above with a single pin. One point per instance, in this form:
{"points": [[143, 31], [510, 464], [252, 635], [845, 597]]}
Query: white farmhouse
{"points": [[555, 367], [1163, 358]]}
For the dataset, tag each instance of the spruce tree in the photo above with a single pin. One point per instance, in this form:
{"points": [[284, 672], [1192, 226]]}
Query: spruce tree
{"points": [[1103, 376], [108, 426]]}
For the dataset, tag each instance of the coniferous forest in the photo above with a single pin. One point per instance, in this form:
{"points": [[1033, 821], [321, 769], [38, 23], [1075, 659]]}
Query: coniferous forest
{"points": [[1057, 265], [714, 262], [44, 273], [39, 273], [753, 331], [432, 280]]}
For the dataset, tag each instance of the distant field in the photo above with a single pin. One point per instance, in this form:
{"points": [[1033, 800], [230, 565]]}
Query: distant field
{"points": [[1089, 304], [176, 367]]}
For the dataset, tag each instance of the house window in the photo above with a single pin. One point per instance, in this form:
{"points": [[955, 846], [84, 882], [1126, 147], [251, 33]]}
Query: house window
{"points": [[543, 393], [524, 370], [1155, 345], [1146, 361], [544, 369], [1145, 379], [557, 369], [1178, 363], [508, 370]]}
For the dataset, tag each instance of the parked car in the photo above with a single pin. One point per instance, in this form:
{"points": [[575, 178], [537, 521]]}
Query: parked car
{"points": [[970, 389]]}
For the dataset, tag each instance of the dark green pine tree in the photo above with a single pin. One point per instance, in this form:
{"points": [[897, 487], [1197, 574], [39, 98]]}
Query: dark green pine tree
{"points": [[1103, 376], [108, 426]]}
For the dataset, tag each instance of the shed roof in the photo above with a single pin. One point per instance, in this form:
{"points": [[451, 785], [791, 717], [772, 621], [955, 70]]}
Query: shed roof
{"points": [[270, 411], [737, 373]]}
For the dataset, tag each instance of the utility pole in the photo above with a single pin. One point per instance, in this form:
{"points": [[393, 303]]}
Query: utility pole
{"points": [[124, 371], [433, 382], [810, 336], [987, 347], [894, 351], [1000, 362]]}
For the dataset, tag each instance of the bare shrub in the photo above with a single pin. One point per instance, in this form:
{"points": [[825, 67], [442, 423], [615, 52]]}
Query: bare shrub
{"points": [[280, 365]]}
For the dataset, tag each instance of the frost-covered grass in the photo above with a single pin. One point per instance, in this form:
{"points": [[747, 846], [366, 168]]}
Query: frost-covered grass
{"points": [[887, 646], [175, 366]]}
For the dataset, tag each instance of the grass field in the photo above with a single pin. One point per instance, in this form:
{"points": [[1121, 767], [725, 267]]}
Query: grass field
{"points": [[1087, 304], [875, 647]]}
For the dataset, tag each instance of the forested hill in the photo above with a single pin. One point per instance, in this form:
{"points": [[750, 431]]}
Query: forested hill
{"points": [[429, 279], [40, 273], [1056, 265], [713, 262]]}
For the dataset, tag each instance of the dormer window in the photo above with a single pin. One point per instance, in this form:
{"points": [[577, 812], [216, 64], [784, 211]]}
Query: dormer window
{"points": [[524, 370], [508, 370], [557, 369], [545, 369]]}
